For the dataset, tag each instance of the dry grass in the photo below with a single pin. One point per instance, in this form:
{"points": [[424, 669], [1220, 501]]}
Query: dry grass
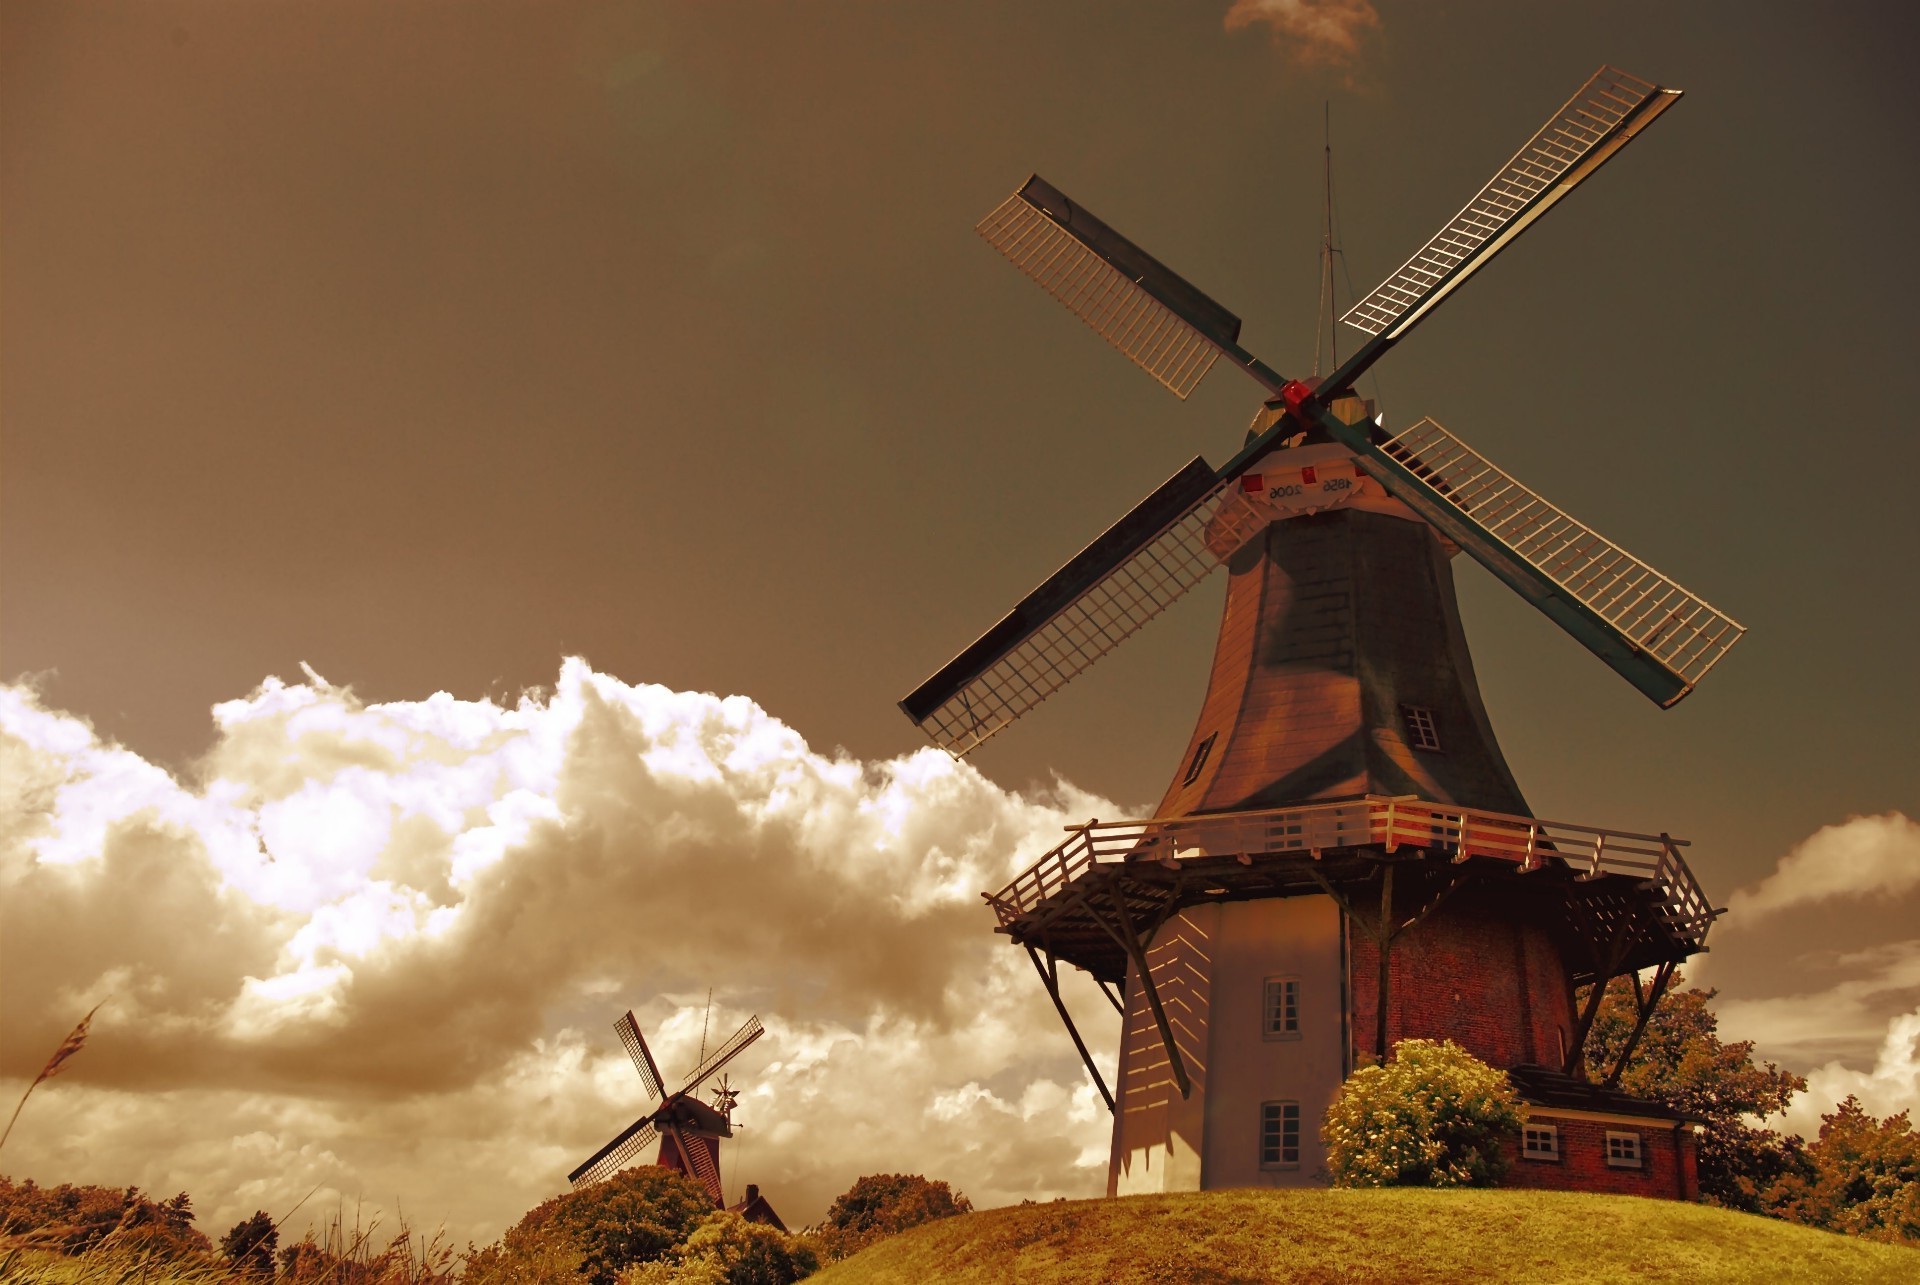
{"points": [[1381, 1236], [74, 1042], [339, 1255]]}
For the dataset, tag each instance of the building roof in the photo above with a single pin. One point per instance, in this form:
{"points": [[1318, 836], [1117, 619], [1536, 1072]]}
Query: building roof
{"points": [[757, 1209], [1541, 1087]]}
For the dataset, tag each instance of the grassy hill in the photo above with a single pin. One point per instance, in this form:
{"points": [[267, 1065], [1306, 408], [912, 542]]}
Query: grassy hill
{"points": [[1217, 1237]]}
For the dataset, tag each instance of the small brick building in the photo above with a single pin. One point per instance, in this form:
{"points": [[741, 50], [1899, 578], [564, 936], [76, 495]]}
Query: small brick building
{"points": [[1586, 1137]]}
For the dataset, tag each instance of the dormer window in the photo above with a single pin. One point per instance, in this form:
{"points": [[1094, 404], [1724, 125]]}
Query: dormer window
{"points": [[1422, 734], [1200, 753]]}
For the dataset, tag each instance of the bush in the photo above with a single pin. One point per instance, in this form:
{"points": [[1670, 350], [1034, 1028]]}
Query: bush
{"points": [[536, 1258], [1434, 1116], [634, 1217], [726, 1249], [884, 1203]]}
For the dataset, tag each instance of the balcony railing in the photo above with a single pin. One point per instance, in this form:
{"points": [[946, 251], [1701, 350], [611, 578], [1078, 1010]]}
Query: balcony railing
{"points": [[1374, 821]]}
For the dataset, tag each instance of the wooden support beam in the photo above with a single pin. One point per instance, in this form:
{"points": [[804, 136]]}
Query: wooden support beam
{"points": [[1645, 1004], [1455, 881], [1386, 966], [1590, 936], [1381, 932], [1617, 950], [1138, 954], [1113, 996], [1050, 978], [1373, 932]]}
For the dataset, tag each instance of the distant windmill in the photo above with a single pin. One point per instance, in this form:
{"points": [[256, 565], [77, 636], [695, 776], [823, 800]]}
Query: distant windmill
{"points": [[688, 1130]]}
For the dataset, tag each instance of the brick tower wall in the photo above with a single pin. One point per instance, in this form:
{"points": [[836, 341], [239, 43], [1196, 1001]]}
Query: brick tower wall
{"points": [[1489, 981]]}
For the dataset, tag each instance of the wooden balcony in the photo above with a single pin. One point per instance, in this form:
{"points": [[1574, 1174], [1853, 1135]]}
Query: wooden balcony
{"points": [[1628, 899]]}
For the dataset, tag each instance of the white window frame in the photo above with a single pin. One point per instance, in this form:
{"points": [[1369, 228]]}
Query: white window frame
{"points": [[1423, 730], [1287, 990], [1547, 1135], [1276, 1114], [1625, 1150]]}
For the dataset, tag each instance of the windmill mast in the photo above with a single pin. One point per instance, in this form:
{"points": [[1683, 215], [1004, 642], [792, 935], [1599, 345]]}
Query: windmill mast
{"points": [[1325, 315]]}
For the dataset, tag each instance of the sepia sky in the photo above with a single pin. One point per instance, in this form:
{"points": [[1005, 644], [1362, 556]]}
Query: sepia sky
{"points": [[354, 353]]}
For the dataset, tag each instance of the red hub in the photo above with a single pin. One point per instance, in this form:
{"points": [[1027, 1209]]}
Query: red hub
{"points": [[1295, 394]]}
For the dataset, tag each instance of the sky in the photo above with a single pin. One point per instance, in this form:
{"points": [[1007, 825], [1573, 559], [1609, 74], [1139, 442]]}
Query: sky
{"points": [[475, 479]]}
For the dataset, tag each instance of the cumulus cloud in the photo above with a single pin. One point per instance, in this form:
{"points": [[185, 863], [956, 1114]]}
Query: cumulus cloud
{"points": [[377, 949], [1890, 1086], [1309, 32], [1876, 856]]}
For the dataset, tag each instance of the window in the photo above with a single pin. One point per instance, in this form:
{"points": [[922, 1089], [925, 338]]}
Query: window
{"points": [[1279, 1135], [1623, 1150], [1282, 1009], [1200, 753], [1422, 734], [1541, 1142]]}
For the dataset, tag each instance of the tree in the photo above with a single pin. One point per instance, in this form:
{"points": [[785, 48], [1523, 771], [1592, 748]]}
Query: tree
{"points": [[165, 1228], [1433, 1116], [1681, 1062], [73, 1220], [636, 1216], [250, 1245], [881, 1204], [1862, 1177]]}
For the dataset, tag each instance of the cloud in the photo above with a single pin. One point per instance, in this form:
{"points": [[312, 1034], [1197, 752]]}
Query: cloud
{"points": [[1876, 856], [1859, 1018], [1310, 32], [1848, 1017], [378, 948], [1892, 1084]]}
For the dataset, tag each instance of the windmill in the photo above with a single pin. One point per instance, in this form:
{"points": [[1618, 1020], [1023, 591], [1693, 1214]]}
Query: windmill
{"points": [[1343, 802], [688, 1130]]}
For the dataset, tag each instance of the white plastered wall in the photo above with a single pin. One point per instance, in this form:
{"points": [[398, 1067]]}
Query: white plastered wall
{"points": [[1210, 965], [1278, 937]]}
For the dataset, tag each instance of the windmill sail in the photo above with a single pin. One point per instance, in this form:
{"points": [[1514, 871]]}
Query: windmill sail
{"points": [[749, 1031], [1138, 568], [1159, 320], [1659, 636], [642, 1056], [616, 1155], [1596, 122], [700, 1163]]}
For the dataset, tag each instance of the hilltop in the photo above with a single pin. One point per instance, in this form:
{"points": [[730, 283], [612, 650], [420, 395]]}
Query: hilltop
{"points": [[1223, 1237]]}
